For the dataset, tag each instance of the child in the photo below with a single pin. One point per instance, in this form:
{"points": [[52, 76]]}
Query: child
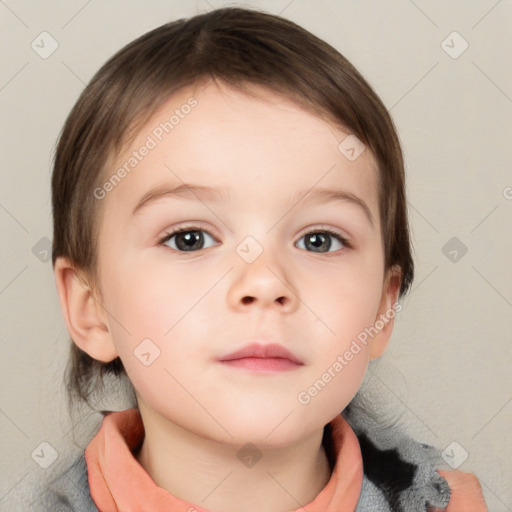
{"points": [[231, 234]]}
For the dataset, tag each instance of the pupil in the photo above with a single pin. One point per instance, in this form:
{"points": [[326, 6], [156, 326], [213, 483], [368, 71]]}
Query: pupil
{"points": [[317, 240], [191, 239]]}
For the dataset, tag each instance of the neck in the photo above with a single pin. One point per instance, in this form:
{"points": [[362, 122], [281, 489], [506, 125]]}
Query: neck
{"points": [[212, 476]]}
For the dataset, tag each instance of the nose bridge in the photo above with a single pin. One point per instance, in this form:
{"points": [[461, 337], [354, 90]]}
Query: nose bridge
{"points": [[262, 276]]}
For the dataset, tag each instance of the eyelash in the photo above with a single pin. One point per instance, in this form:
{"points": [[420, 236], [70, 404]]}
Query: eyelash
{"points": [[321, 229]]}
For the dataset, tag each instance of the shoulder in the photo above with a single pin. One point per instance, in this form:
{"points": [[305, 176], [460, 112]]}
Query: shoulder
{"points": [[70, 489], [65, 489], [401, 474]]}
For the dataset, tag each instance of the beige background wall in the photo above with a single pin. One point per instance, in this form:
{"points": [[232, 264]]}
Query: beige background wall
{"points": [[449, 364]]}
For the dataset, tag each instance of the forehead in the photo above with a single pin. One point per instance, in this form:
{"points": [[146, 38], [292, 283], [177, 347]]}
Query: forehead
{"points": [[259, 143]]}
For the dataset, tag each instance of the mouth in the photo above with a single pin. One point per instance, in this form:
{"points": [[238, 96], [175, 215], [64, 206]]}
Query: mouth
{"points": [[262, 358]]}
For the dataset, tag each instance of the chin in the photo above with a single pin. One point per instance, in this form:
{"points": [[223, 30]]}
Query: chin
{"points": [[265, 430]]}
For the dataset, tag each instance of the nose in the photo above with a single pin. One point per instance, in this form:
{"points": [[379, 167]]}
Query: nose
{"points": [[264, 283]]}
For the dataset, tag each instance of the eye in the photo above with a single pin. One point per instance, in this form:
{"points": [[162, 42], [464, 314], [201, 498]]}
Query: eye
{"points": [[192, 239], [321, 240], [187, 239]]}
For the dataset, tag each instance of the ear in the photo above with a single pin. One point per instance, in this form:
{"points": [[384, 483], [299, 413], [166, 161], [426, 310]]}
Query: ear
{"points": [[386, 313], [85, 317]]}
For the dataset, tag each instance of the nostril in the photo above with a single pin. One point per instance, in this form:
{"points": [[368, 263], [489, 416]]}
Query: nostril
{"points": [[249, 300]]}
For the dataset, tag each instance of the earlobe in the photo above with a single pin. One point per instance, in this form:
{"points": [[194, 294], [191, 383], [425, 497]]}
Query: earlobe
{"points": [[85, 318], [386, 314]]}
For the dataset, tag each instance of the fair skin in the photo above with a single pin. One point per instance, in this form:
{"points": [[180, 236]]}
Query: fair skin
{"points": [[196, 306]]}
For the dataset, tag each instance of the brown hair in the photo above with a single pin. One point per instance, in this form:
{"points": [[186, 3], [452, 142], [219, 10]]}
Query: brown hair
{"points": [[240, 47]]}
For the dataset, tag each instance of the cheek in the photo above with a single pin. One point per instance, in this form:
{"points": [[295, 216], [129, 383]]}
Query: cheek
{"points": [[341, 359], [344, 308], [328, 393], [160, 322], [151, 297], [343, 302]]}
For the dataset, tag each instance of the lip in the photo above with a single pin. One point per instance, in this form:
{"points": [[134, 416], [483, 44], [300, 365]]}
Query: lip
{"points": [[269, 357]]}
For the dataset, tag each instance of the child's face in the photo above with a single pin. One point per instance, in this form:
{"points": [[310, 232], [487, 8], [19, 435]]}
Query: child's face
{"points": [[253, 276]]}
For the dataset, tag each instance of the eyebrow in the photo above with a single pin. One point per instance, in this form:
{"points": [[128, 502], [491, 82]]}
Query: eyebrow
{"points": [[185, 190], [192, 191]]}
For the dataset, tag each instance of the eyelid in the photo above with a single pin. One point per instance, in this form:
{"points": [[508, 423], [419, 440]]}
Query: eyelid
{"points": [[346, 239], [192, 226]]}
